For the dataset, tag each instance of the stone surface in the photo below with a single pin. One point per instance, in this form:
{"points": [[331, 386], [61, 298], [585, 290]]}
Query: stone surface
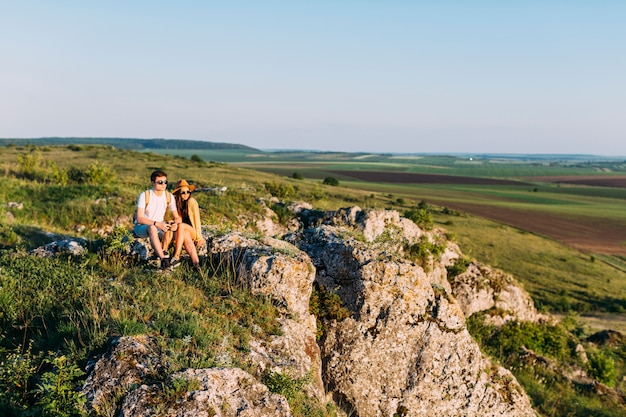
{"points": [[217, 392], [482, 288], [402, 350]]}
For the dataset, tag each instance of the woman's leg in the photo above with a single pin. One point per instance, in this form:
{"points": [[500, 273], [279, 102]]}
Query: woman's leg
{"points": [[183, 238], [190, 247]]}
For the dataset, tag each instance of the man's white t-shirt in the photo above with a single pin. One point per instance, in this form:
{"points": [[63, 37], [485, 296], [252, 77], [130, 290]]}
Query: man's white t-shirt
{"points": [[157, 205]]}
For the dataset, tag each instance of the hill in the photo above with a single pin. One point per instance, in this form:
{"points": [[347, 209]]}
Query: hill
{"points": [[76, 307], [127, 143]]}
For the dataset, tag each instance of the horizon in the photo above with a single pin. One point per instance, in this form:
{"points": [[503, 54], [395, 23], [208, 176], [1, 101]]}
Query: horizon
{"points": [[286, 150], [378, 77]]}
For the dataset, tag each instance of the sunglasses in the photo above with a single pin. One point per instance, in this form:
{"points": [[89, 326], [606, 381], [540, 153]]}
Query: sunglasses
{"points": [[161, 182], [185, 192]]}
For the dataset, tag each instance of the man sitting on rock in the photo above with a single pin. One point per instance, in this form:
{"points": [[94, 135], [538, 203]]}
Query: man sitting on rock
{"points": [[150, 218]]}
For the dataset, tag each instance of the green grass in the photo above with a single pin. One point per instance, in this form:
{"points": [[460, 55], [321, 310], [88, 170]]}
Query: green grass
{"points": [[558, 278], [65, 311]]}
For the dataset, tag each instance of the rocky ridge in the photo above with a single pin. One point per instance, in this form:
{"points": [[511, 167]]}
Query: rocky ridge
{"points": [[402, 350]]}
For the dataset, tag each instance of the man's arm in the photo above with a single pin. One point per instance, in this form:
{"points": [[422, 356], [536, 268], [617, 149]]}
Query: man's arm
{"points": [[141, 219]]}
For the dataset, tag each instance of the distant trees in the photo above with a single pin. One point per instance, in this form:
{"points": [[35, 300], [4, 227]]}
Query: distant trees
{"points": [[331, 181]]}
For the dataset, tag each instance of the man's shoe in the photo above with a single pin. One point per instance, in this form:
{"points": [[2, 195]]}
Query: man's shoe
{"points": [[165, 263], [174, 263]]}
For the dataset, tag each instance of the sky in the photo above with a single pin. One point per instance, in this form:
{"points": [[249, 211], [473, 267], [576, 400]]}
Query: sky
{"points": [[445, 76]]}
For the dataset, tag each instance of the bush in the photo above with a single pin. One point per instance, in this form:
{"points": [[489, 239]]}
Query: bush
{"points": [[58, 391], [421, 217], [331, 181], [602, 367], [326, 306], [281, 191], [460, 266], [297, 176], [195, 158], [422, 251], [99, 174]]}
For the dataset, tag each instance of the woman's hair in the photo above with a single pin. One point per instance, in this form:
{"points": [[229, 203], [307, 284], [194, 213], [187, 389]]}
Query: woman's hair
{"points": [[181, 205]]}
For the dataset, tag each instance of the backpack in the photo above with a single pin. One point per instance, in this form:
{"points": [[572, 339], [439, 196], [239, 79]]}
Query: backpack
{"points": [[168, 198]]}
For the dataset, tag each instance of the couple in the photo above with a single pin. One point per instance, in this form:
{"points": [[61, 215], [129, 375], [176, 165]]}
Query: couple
{"points": [[185, 228]]}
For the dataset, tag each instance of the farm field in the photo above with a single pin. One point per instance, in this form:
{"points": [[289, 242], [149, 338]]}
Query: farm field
{"points": [[584, 210]]}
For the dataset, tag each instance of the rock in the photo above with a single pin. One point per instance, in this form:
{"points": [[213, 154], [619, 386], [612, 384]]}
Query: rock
{"points": [[607, 338], [404, 350], [214, 392], [69, 246], [481, 288], [127, 363], [280, 270]]}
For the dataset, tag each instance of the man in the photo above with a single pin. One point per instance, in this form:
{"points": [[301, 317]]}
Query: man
{"points": [[150, 219]]}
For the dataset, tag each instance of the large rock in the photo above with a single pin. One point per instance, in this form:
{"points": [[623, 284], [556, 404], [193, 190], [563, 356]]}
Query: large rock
{"points": [[279, 270], [213, 392], [482, 288], [128, 362], [405, 349]]}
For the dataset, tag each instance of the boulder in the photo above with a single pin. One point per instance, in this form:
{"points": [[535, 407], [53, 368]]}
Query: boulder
{"points": [[215, 392]]}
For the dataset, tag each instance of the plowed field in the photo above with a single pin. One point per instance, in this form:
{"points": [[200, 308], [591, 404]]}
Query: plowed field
{"points": [[587, 234]]}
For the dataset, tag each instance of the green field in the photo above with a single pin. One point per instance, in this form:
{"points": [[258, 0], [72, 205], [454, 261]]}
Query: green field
{"points": [[561, 273]]}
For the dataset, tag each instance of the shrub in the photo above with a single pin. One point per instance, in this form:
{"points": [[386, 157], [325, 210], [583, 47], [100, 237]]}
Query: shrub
{"points": [[195, 158], [297, 176], [421, 217], [422, 251], [326, 306], [458, 267], [99, 174], [602, 367], [293, 389], [317, 193], [331, 181], [58, 391], [281, 191]]}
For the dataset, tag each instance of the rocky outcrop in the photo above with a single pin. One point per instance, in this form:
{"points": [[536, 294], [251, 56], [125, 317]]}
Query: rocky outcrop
{"points": [[278, 269], [215, 392], [482, 288], [66, 246], [402, 349], [132, 361]]}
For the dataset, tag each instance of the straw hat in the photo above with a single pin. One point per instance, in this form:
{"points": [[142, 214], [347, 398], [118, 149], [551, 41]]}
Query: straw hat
{"points": [[183, 184]]}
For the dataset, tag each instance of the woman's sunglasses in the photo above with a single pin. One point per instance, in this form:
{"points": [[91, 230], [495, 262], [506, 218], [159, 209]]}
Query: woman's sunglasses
{"points": [[185, 192]]}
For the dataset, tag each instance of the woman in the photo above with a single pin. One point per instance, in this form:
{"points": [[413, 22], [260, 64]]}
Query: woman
{"points": [[188, 233]]}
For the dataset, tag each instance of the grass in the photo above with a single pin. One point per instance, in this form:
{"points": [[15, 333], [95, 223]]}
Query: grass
{"points": [[202, 320], [84, 302], [558, 278]]}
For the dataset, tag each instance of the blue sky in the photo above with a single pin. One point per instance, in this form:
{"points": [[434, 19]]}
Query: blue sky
{"points": [[374, 76]]}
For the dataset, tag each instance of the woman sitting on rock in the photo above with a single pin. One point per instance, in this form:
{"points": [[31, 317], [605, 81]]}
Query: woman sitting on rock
{"points": [[188, 233]]}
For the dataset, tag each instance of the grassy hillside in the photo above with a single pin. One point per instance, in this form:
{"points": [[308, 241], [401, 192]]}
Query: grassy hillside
{"points": [[79, 189]]}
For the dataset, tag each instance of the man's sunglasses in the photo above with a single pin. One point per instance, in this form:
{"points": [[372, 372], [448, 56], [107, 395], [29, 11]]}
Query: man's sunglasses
{"points": [[161, 182]]}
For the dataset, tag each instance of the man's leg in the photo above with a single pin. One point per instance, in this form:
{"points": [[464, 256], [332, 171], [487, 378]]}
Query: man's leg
{"points": [[155, 241]]}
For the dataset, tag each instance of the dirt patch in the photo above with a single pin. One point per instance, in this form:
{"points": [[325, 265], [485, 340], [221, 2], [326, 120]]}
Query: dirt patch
{"points": [[593, 181], [589, 235], [414, 178]]}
